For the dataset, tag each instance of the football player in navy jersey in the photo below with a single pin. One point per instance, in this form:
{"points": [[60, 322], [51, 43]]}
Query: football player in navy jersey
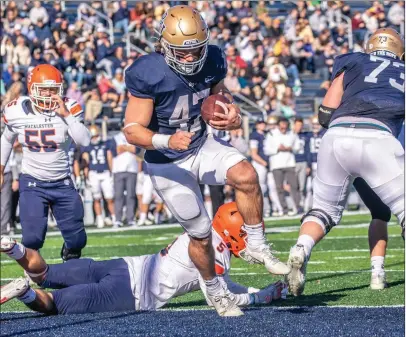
{"points": [[98, 158], [260, 160], [167, 88], [364, 110], [302, 157]]}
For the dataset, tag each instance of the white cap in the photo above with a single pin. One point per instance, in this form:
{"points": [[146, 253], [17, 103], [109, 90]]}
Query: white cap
{"points": [[17, 27], [71, 27]]}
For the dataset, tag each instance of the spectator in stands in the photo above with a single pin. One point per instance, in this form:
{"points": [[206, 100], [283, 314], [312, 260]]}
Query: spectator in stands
{"points": [[93, 105], [21, 53], [238, 141], [233, 58], [55, 13], [358, 27], [340, 36], [371, 20], [231, 81], [281, 147], [38, 13], [287, 105], [103, 44], [225, 39], [120, 16], [7, 50], [42, 31], [14, 92], [37, 58], [290, 25], [74, 93], [396, 14], [323, 89], [318, 21]]}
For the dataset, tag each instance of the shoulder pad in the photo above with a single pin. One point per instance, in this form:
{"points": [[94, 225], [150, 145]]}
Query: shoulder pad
{"points": [[217, 61], [143, 77], [15, 109], [345, 62], [73, 106]]}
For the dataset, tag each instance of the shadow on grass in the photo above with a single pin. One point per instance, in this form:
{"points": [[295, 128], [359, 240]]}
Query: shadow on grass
{"points": [[329, 276], [61, 321]]}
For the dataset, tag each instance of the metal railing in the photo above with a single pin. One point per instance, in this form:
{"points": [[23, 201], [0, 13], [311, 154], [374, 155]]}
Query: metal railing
{"points": [[251, 103], [129, 45], [349, 31], [101, 15]]}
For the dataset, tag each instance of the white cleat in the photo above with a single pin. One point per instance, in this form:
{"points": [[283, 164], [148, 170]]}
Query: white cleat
{"points": [[6, 243], [264, 255], [14, 289], [145, 222], [100, 222], [297, 278], [378, 281], [225, 304]]}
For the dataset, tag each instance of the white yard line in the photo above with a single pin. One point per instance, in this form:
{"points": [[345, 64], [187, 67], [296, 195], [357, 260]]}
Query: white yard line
{"points": [[358, 257], [327, 272], [262, 308], [176, 225]]}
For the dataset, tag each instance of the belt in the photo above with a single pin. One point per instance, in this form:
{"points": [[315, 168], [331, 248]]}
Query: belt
{"points": [[361, 126]]}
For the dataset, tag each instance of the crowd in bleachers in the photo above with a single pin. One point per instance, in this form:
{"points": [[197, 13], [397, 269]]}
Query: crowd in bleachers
{"points": [[270, 47]]}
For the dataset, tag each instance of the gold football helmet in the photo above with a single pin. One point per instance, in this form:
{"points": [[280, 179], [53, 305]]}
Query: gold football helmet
{"points": [[182, 31], [94, 134], [386, 41]]}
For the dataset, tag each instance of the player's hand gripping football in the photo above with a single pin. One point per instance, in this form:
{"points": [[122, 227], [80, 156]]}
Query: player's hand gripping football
{"points": [[61, 108], [229, 121], [180, 140]]}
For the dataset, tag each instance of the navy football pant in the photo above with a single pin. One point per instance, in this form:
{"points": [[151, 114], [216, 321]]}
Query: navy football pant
{"points": [[90, 286], [36, 197]]}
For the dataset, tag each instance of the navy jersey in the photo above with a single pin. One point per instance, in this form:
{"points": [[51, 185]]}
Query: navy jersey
{"points": [[304, 155], [177, 99], [314, 144], [98, 156], [374, 87], [401, 136], [257, 141]]}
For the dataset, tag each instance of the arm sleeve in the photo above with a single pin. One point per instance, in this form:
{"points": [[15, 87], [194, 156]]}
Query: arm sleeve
{"points": [[7, 140], [79, 133], [296, 144]]}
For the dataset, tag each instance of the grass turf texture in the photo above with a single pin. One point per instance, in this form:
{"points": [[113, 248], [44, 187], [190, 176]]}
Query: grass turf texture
{"points": [[338, 273]]}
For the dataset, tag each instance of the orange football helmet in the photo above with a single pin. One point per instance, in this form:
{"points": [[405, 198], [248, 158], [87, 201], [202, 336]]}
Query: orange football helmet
{"points": [[228, 224], [44, 81]]}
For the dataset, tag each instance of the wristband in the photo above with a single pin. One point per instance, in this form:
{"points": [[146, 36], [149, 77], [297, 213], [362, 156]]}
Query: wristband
{"points": [[160, 141]]}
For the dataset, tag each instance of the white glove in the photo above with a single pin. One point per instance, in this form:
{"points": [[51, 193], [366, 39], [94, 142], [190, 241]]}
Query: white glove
{"points": [[274, 291]]}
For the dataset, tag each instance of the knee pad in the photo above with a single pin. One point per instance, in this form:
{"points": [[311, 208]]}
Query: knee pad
{"points": [[321, 217], [70, 253]]}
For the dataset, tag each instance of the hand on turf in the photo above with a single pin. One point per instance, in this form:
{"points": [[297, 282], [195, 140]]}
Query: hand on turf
{"points": [[230, 121], [274, 291], [180, 140], [61, 108]]}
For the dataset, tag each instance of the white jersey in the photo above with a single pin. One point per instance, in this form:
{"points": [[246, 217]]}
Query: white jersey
{"points": [[45, 138], [155, 279]]}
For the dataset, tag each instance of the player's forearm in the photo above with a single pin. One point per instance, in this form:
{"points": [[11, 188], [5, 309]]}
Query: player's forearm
{"points": [[139, 135], [6, 148], [79, 133]]}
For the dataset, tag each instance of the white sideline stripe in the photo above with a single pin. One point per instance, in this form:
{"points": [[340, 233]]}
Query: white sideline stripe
{"points": [[289, 229], [336, 237], [263, 308], [327, 272], [357, 257], [176, 225]]}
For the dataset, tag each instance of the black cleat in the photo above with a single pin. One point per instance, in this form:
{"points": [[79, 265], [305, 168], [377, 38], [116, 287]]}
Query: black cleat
{"points": [[70, 253]]}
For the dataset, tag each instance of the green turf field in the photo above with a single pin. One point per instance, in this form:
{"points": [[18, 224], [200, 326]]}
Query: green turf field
{"points": [[338, 273]]}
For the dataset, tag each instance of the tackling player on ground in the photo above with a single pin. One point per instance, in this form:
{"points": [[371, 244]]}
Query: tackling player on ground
{"points": [[364, 110], [163, 116], [45, 123], [133, 283]]}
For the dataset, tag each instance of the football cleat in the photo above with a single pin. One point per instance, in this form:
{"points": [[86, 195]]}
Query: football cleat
{"points": [[225, 304], [144, 222], [70, 253], [297, 278], [264, 255], [6, 243], [378, 281], [13, 289]]}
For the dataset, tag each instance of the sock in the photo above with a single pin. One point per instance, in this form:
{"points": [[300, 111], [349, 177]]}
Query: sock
{"points": [[256, 235], [143, 217], [213, 286], [157, 217], [377, 264], [29, 296], [17, 252], [307, 242]]}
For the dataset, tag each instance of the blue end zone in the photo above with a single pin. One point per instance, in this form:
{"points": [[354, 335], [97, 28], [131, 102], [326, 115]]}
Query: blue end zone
{"points": [[269, 321]]}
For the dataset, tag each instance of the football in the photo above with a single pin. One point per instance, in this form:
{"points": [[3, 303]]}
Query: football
{"points": [[212, 104]]}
